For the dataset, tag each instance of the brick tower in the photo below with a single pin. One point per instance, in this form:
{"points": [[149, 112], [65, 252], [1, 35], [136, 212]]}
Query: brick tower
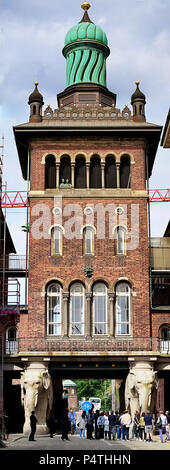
{"points": [[89, 305]]}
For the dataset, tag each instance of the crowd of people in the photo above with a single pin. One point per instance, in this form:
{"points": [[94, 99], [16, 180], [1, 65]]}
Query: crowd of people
{"points": [[110, 425], [104, 425]]}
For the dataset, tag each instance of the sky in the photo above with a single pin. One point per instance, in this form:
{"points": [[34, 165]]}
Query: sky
{"points": [[32, 36]]}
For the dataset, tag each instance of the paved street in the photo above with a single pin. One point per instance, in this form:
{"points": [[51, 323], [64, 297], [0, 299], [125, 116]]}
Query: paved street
{"points": [[17, 442]]}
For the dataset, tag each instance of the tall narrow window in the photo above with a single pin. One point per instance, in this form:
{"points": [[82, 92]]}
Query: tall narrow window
{"points": [[123, 307], [100, 309], [110, 172], [125, 172], [80, 172], [56, 241], [50, 172], [11, 341], [120, 233], [88, 241], [65, 169], [165, 339], [77, 309], [95, 172], [54, 309]]}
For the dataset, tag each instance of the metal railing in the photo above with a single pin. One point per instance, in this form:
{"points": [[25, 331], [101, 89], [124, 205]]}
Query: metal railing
{"points": [[13, 262], [22, 345]]}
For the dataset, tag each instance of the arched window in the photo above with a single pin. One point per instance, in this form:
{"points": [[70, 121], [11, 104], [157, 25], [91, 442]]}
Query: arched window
{"points": [[100, 309], [165, 339], [120, 240], [65, 170], [88, 240], [11, 341], [50, 172], [125, 172], [77, 309], [54, 309], [95, 172], [56, 241], [123, 309], [80, 172], [110, 172]]}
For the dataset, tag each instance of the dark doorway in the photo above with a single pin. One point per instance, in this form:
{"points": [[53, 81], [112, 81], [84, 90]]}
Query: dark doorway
{"points": [[50, 172], [80, 172], [65, 170], [125, 172], [110, 172], [95, 172], [12, 402]]}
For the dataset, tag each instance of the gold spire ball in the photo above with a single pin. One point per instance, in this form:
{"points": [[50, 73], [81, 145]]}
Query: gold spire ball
{"points": [[85, 6]]}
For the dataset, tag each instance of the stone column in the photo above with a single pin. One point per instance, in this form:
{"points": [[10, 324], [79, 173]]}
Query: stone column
{"points": [[57, 174], [103, 174], [65, 313], [88, 326], [88, 175], [111, 319], [118, 174], [72, 173]]}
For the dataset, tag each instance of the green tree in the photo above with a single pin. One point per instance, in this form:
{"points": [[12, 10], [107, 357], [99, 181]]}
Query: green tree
{"points": [[96, 388]]}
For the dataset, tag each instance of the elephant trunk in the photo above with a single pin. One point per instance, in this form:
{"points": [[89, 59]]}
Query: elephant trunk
{"points": [[144, 399]]}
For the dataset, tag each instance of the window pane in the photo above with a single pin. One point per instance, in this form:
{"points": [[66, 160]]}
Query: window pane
{"points": [[88, 233], [77, 309], [123, 309], [100, 329], [100, 308], [120, 241], [54, 309]]}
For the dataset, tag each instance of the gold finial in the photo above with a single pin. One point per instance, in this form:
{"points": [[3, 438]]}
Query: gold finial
{"points": [[85, 6], [137, 82], [36, 83]]}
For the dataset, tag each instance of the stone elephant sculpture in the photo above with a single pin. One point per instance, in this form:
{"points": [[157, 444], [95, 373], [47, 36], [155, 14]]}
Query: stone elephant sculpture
{"points": [[36, 395], [140, 390]]}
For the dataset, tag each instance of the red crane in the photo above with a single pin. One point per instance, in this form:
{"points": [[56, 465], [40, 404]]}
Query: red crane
{"points": [[14, 199]]}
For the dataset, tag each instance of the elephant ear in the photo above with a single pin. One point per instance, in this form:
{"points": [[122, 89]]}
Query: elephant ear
{"points": [[46, 380]]}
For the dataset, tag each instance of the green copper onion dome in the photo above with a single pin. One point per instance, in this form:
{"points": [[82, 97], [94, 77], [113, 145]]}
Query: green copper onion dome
{"points": [[86, 50]]}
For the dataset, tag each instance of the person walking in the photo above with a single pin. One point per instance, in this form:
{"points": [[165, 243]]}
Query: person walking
{"points": [[73, 418], [135, 427], [106, 424], [148, 426], [117, 426], [125, 424], [90, 425], [168, 419], [142, 427], [162, 423], [96, 415], [112, 419], [100, 424], [33, 423], [65, 425], [82, 424]]}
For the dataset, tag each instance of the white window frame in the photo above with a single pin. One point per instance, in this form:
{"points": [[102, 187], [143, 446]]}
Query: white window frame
{"points": [[120, 229], [82, 316], [165, 343], [11, 345], [59, 230], [95, 295], [57, 325], [90, 230], [119, 323]]}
